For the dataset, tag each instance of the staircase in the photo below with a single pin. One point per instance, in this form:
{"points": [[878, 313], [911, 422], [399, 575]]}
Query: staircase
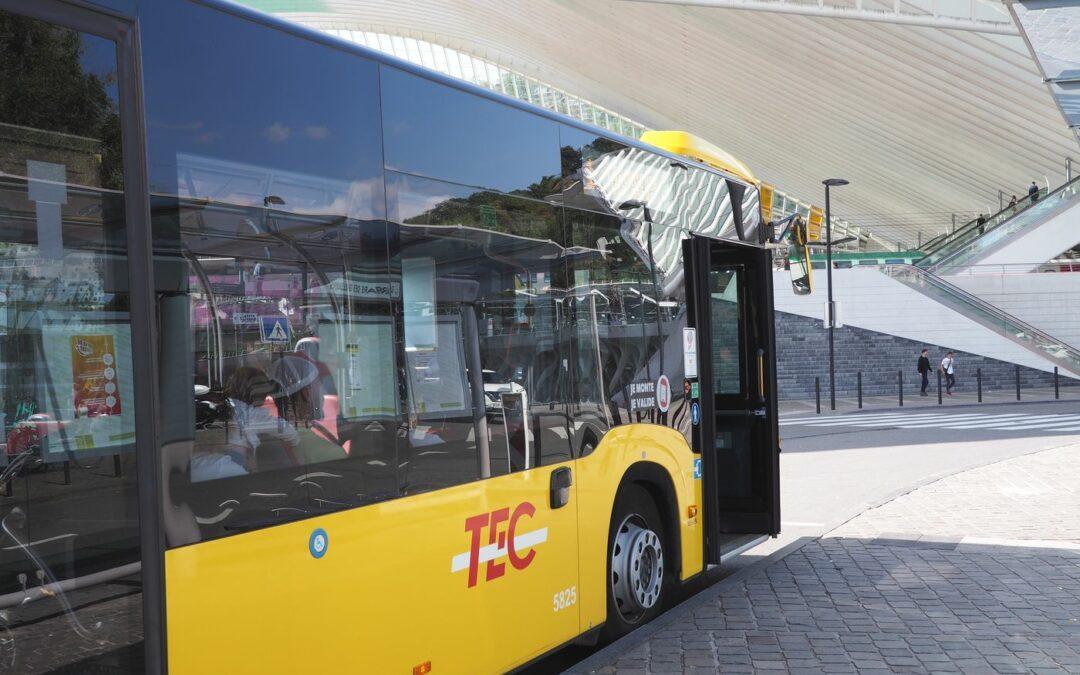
{"points": [[1060, 353]]}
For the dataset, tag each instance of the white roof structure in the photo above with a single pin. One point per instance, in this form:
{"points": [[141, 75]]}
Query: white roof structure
{"points": [[928, 107]]}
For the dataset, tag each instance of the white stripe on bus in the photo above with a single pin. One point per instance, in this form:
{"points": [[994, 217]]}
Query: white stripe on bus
{"points": [[494, 552]]}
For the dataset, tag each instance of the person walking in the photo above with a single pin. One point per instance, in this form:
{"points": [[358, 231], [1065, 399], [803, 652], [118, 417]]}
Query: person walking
{"points": [[1033, 192], [948, 368], [1012, 204], [981, 222], [924, 370]]}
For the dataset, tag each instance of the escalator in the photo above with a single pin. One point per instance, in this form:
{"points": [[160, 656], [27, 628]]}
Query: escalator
{"points": [[992, 242], [1058, 352]]}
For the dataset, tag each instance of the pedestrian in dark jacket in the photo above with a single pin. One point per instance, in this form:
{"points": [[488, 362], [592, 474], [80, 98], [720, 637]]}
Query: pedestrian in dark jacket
{"points": [[981, 222], [1033, 192], [924, 371]]}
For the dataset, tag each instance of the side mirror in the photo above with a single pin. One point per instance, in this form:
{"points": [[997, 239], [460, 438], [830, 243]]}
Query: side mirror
{"points": [[802, 272]]}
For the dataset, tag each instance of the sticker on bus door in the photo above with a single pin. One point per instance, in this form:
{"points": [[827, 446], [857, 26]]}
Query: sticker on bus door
{"points": [[689, 353], [663, 393]]}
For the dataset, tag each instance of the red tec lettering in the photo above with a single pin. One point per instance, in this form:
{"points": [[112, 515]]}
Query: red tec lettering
{"points": [[507, 540]]}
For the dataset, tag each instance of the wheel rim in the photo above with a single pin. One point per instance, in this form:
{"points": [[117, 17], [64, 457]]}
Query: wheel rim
{"points": [[637, 568]]}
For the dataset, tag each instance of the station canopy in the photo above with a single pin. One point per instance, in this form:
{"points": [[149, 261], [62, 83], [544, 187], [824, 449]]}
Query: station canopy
{"points": [[935, 110]]}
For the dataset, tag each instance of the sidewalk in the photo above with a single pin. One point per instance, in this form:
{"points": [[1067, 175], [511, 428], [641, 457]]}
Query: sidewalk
{"points": [[913, 400], [977, 572]]}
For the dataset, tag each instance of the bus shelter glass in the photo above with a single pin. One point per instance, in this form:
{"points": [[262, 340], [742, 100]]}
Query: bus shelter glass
{"points": [[70, 595]]}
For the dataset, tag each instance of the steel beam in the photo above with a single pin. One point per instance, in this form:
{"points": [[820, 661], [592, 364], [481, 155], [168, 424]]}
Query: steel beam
{"points": [[853, 13]]}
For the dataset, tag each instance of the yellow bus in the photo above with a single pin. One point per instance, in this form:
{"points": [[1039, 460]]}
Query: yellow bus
{"points": [[313, 361]]}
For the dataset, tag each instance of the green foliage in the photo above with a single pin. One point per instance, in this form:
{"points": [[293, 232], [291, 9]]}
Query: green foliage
{"points": [[46, 87]]}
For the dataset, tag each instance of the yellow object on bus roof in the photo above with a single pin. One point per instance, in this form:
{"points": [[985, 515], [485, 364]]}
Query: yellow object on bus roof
{"points": [[698, 149]]}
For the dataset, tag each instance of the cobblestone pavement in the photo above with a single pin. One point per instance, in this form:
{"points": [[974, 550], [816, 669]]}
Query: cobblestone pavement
{"points": [[967, 574]]}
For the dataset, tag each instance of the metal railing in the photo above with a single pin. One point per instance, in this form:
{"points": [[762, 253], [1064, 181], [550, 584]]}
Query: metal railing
{"points": [[934, 245], [1061, 266], [972, 307], [973, 238], [996, 389]]}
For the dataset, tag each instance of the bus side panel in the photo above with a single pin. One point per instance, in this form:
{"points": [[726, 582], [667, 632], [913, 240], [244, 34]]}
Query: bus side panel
{"points": [[598, 477], [397, 585]]}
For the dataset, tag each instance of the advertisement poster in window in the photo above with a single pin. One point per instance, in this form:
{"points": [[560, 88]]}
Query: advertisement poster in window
{"points": [[87, 383], [364, 372], [437, 385]]}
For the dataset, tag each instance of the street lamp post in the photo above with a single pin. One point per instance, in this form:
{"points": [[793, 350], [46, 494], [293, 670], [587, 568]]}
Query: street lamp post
{"points": [[830, 183]]}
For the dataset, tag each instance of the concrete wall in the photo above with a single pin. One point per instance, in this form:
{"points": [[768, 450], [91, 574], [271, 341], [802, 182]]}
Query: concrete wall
{"points": [[802, 351], [872, 301], [1048, 301]]}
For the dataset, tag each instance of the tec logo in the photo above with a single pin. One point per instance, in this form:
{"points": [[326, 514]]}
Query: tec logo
{"points": [[502, 539]]}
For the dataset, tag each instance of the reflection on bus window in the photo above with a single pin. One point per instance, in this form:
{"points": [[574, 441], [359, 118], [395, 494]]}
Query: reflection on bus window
{"points": [[279, 365], [68, 511], [726, 330], [483, 282]]}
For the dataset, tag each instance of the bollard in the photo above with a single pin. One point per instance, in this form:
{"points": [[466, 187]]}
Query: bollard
{"points": [[67, 472], [900, 385], [1017, 383], [117, 470], [859, 384], [1057, 393], [939, 386], [9, 489], [978, 382], [817, 393]]}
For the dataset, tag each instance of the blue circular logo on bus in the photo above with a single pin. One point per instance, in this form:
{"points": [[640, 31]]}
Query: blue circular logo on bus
{"points": [[318, 543]]}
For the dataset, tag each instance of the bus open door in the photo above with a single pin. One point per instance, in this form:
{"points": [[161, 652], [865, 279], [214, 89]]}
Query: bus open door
{"points": [[729, 288]]}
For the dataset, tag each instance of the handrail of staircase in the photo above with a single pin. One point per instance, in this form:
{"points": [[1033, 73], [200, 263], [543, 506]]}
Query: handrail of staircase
{"points": [[949, 237], [946, 238], [997, 312]]}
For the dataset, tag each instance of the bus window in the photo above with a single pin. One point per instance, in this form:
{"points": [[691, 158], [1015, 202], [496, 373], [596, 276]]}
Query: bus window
{"points": [[615, 317], [441, 132], [483, 285], [278, 372], [727, 348]]}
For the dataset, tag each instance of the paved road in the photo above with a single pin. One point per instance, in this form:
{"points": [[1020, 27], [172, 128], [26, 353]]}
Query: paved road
{"points": [[981, 574], [835, 467]]}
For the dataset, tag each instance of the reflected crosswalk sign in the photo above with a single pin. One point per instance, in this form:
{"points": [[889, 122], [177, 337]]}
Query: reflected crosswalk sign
{"points": [[274, 329]]}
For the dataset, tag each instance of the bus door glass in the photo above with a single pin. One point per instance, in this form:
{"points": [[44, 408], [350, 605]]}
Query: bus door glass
{"points": [[70, 583], [731, 291]]}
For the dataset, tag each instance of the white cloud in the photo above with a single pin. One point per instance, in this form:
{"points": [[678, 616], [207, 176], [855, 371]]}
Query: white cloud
{"points": [[277, 132]]}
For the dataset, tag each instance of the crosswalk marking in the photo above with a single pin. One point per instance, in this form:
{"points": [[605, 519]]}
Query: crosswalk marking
{"points": [[897, 420], [1034, 422], [944, 420], [882, 418], [900, 416]]}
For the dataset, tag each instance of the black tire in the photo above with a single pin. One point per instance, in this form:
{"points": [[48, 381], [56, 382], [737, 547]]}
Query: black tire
{"points": [[635, 508]]}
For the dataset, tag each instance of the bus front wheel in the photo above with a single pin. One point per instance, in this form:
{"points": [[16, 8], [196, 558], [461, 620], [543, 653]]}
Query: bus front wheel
{"points": [[638, 576]]}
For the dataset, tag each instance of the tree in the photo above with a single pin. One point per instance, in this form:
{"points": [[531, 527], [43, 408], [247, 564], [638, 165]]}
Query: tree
{"points": [[45, 86]]}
